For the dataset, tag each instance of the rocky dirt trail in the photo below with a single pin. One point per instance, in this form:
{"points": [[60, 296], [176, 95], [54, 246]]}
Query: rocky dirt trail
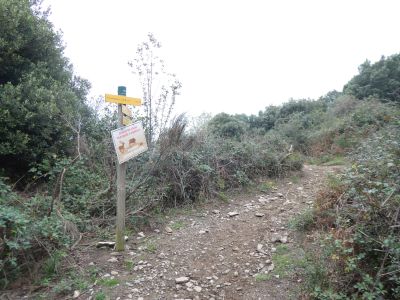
{"points": [[239, 249], [223, 251]]}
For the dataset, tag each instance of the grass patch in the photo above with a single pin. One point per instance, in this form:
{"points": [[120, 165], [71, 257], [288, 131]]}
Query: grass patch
{"points": [[266, 186], [223, 197], [336, 161], [328, 160], [52, 265], [68, 285], [262, 277], [108, 282], [151, 247], [303, 222], [129, 264], [294, 179], [286, 261], [100, 296], [177, 225]]}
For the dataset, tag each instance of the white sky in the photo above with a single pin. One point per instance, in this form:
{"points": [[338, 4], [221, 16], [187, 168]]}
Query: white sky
{"points": [[231, 56]]}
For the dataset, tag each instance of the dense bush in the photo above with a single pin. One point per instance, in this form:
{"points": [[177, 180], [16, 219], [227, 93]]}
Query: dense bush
{"points": [[225, 125], [27, 232], [362, 212], [187, 167]]}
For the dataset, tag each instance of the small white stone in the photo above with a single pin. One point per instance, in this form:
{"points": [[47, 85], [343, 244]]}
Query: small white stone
{"points": [[197, 289], [113, 259], [233, 213], [76, 294], [182, 279]]}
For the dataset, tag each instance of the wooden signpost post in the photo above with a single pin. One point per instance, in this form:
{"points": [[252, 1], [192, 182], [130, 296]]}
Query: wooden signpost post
{"points": [[124, 118]]}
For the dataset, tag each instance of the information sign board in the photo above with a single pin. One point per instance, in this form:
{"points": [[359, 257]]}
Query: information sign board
{"points": [[129, 141]]}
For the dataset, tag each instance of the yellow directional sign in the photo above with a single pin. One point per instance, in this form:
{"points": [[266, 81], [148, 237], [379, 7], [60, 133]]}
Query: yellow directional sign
{"points": [[126, 120], [123, 100], [126, 111]]}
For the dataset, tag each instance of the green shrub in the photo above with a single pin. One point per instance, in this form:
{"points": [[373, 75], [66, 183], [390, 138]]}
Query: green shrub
{"points": [[363, 215], [304, 221], [26, 234], [201, 165]]}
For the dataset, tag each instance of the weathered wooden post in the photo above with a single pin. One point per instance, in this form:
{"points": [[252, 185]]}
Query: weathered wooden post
{"points": [[129, 141], [121, 190]]}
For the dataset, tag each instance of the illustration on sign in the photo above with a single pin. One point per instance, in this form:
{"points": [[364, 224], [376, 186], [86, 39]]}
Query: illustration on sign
{"points": [[129, 141]]}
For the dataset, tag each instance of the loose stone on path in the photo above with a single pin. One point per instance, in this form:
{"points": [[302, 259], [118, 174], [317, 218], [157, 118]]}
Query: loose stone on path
{"points": [[233, 213], [181, 280]]}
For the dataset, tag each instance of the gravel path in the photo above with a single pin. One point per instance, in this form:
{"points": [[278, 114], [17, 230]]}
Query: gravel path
{"points": [[239, 249], [226, 251]]}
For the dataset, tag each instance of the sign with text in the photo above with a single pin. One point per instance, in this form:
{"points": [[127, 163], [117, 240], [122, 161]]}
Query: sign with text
{"points": [[123, 100], [129, 141]]}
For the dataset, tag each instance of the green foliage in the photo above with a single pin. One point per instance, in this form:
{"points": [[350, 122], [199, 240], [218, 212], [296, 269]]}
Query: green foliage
{"points": [[266, 186], [39, 95], [381, 79], [100, 296], [108, 282], [303, 222], [188, 167], [177, 225], [52, 264], [227, 126], [151, 247], [262, 277], [364, 248], [26, 233]]}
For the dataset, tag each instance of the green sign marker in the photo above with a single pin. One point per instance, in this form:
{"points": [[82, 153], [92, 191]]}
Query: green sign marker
{"points": [[122, 90]]}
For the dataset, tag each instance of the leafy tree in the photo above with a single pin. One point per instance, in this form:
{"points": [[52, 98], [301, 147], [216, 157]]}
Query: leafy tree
{"points": [[40, 98], [225, 125], [381, 79], [330, 97], [266, 119], [159, 87]]}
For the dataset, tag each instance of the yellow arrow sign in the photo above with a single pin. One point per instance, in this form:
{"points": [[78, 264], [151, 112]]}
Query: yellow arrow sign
{"points": [[123, 100], [126, 121], [126, 111]]}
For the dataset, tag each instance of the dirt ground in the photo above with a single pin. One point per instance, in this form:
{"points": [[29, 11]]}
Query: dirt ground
{"points": [[238, 249]]}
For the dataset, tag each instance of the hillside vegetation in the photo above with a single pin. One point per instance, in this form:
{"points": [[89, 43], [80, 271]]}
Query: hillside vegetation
{"points": [[57, 162]]}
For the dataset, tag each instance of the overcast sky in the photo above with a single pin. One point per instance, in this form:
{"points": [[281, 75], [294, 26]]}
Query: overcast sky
{"points": [[231, 56]]}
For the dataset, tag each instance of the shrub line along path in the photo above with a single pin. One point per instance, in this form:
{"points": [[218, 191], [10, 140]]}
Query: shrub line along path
{"points": [[239, 249]]}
